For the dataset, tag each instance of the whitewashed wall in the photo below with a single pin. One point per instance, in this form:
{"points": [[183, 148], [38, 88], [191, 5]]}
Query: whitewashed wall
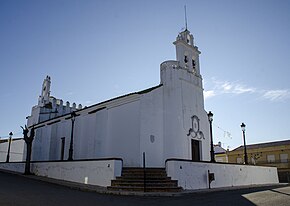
{"points": [[183, 98], [110, 132], [123, 129], [194, 175], [155, 122], [151, 132], [94, 172], [89, 135], [41, 144], [13, 166], [64, 131], [193, 104], [16, 151], [53, 148], [88, 172], [174, 136]]}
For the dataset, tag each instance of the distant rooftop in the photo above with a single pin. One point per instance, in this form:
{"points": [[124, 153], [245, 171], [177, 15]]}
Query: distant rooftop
{"points": [[263, 145], [218, 149]]}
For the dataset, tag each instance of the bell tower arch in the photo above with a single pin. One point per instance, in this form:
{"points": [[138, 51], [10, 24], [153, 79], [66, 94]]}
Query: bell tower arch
{"points": [[187, 54]]}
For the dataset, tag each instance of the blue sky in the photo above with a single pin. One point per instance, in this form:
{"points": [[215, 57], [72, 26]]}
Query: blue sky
{"points": [[97, 50]]}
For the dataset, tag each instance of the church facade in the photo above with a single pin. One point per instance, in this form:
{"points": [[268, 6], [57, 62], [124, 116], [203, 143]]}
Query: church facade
{"points": [[165, 121]]}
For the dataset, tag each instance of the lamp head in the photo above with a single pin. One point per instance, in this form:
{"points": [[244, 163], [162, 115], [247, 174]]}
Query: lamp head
{"points": [[73, 115], [243, 126], [210, 116]]}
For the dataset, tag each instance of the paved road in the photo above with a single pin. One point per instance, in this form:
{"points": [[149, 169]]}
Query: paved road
{"points": [[18, 190]]}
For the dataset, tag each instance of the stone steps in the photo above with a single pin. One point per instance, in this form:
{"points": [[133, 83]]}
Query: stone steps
{"points": [[148, 189], [138, 177], [132, 179], [169, 183]]}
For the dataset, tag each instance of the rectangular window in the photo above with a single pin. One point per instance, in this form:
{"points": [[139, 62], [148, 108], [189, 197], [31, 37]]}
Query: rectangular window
{"points": [[284, 158], [270, 158], [62, 148], [239, 160]]}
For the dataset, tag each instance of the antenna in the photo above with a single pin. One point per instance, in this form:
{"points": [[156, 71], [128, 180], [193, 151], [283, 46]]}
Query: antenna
{"points": [[185, 16]]}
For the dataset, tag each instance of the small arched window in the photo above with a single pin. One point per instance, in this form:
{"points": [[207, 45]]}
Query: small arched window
{"points": [[185, 59], [193, 64]]}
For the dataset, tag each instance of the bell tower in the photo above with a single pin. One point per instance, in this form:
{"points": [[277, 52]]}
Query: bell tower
{"points": [[45, 92], [185, 123], [187, 54]]}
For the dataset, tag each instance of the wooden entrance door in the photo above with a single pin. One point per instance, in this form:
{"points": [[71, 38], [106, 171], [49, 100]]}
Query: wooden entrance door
{"points": [[195, 151]]}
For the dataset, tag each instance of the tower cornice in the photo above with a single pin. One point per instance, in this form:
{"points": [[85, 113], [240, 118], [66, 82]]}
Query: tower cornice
{"points": [[187, 45]]}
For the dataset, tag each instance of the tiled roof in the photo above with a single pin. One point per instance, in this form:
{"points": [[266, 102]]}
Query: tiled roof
{"points": [[263, 145], [219, 150]]}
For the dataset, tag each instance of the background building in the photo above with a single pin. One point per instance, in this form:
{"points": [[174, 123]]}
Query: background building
{"points": [[16, 149], [220, 153], [266, 154]]}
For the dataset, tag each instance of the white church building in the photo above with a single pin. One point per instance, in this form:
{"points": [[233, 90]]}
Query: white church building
{"points": [[165, 121]]}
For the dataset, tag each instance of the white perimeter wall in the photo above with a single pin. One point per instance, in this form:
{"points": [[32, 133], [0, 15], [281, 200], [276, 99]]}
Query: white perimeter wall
{"points": [[16, 151], [13, 166], [94, 172], [194, 175]]}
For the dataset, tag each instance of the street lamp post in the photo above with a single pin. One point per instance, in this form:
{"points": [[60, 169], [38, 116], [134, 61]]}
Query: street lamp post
{"points": [[9, 145], [70, 152], [243, 126], [210, 119]]}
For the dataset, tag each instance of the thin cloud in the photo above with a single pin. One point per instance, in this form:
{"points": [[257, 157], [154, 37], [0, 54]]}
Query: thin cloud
{"points": [[277, 95], [208, 94], [240, 89], [236, 88], [227, 87]]}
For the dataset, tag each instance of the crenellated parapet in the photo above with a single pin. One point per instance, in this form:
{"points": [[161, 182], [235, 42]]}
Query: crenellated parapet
{"points": [[50, 107]]}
